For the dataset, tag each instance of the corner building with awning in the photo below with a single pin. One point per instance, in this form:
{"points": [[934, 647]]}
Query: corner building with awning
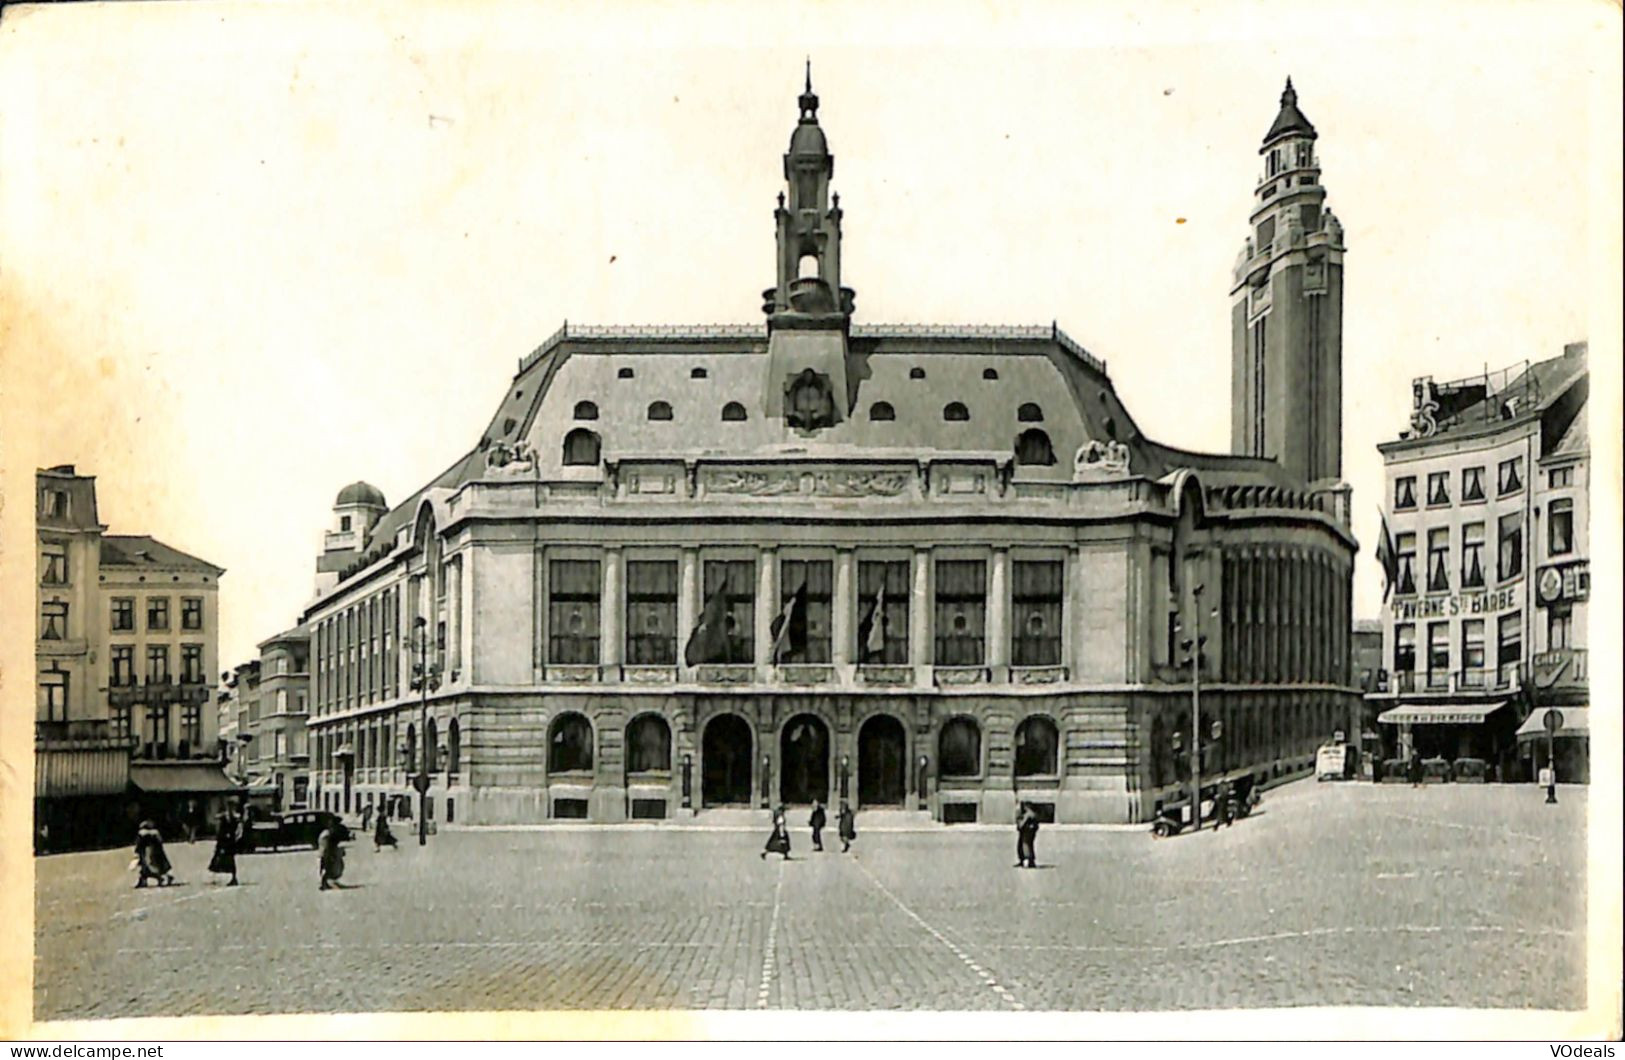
{"points": [[934, 570]]}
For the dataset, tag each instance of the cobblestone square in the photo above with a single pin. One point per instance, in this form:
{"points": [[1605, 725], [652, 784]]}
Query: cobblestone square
{"points": [[1470, 896]]}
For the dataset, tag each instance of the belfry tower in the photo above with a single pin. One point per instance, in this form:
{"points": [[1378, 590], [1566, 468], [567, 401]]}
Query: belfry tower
{"points": [[1286, 391], [808, 311]]}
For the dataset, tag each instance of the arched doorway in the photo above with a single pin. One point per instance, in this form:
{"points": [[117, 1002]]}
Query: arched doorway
{"points": [[882, 762], [725, 753], [804, 761]]}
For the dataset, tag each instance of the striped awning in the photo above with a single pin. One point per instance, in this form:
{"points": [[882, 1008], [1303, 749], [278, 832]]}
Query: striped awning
{"points": [[193, 778], [1438, 713], [1576, 722]]}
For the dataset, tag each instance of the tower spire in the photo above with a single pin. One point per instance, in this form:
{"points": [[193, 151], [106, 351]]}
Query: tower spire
{"points": [[809, 99]]}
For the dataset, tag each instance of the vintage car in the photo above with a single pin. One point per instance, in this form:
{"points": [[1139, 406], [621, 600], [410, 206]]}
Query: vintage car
{"points": [[300, 828]]}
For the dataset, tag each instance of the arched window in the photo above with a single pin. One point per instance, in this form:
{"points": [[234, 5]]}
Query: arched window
{"points": [[916, 373], [1033, 447], [624, 373], [1030, 413], [955, 412], [454, 747], [959, 749], [586, 410], [431, 745], [1036, 744], [882, 412], [697, 373], [659, 410], [580, 448], [990, 373], [569, 744], [733, 412], [648, 745]]}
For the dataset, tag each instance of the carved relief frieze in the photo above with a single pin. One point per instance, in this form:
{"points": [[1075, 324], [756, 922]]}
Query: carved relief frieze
{"points": [[806, 675], [726, 675], [803, 482], [886, 675]]}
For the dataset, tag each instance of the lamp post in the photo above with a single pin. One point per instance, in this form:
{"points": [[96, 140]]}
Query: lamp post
{"points": [[1194, 645], [425, 679]]}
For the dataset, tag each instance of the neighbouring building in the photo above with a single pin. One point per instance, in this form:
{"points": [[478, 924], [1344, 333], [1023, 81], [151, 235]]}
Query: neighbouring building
{"points": [[937, 569], [1484, 628], [125, 656], [1367, 653], [282, 755]]}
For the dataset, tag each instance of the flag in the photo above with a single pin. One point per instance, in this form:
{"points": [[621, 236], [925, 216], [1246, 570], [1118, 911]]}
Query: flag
{"points": [[872, 630], [790, 628], [710, 638], [1387, 557]]}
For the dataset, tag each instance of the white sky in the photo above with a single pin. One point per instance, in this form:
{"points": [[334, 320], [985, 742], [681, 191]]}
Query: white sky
{"points": [[253, 253]]}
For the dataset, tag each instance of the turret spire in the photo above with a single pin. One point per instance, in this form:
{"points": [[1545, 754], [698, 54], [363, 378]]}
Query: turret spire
{"points": [[809, 100]]}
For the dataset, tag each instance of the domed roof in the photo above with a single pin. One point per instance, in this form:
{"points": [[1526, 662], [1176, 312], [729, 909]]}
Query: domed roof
{"points": [[361, 493], [808, 139]]}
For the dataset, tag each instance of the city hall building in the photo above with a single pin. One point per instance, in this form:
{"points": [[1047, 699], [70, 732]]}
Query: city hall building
{"points": [[938, 570]]}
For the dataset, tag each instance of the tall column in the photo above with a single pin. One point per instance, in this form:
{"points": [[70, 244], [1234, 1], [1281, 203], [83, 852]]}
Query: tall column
{"points": [[997, 654], [767, 607], [688, 598], [612, 608], [919, 615], [844, 606], [1075, 606]]}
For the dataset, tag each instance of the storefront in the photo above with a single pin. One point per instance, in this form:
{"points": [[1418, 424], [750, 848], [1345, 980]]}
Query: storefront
{"points": [[1455, 741], [1569, 745]]}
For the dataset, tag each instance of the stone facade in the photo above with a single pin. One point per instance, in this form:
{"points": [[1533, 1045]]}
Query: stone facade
{"points": [[653, 585]]}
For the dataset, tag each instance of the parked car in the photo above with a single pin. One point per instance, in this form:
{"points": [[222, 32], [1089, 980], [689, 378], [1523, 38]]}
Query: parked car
{"points": [[301, 828]]}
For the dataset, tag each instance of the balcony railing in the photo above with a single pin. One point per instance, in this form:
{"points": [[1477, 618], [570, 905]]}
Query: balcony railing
{"points": [[84, 730]]}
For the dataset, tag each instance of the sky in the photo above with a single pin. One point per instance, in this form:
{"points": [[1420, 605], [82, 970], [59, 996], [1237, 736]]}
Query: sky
{"points": [[251, 253]]}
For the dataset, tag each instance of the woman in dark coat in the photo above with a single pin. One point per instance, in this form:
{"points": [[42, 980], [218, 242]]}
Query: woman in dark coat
{"points": [[224, 858], [331, 856], [381, 835], [847, 826], [779, 841], [151, 860]]}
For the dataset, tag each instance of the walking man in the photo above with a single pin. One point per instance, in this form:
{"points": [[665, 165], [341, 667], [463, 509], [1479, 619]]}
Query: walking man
{"points": [[330, 853], [1026, 837], [151, 860], [816, 823], [224, 858], [847, 826]]}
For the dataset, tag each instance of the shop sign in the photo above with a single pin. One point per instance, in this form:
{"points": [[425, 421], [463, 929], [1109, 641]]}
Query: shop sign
{"points": [[1445, 605], [1564, 582]]}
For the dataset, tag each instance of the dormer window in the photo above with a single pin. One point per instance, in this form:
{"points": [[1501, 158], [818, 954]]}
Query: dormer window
{"points": [[1034, 448], [586, 410], [624, 373], [955, 412], [916, 373], [1029, 413], [56, 504], [732, 412], [659, 410], [882, 412], [580, 448], [990, 373], [698, 373]]}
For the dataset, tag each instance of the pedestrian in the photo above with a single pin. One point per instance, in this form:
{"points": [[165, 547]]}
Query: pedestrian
{"points": [[1224, 807], [194, 820], [1416, 768], [847, 826], [381, 835], [779, 841], [224, 858], [151, 861], [816, 823], [330, 852], [1026, 837], [366, 817]]}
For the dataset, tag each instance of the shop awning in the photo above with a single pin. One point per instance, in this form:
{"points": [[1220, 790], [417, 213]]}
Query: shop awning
{"points": [[1575, 723], [1438, 713], [192, 778]]}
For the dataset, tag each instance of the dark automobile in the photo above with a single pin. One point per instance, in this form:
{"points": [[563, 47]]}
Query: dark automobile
{"points": [[300, 828]]}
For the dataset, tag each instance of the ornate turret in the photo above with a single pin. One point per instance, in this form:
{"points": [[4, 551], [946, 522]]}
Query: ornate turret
{"points": [[808, 292]]}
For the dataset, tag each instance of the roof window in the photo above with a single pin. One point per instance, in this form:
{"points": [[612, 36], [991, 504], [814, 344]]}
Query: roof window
{"points": [[697, 373], [1030, 413], [955, 412], [624, 373], [586, 410], [882, 412], [733, 411], [659, 410], [916, 373], [990, 373]]}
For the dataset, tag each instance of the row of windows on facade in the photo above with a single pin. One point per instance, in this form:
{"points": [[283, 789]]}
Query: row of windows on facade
{"points": [[1251, 735], [582, 448], [154, 737], [880, 411], [1509, 556], [370, 745], [54, 616], [647, 746], [1473, 662], [1509, 480], [697, 372]]}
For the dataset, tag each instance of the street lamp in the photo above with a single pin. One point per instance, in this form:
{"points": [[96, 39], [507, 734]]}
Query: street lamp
{"points": [[425, 679], [1194, 646]]}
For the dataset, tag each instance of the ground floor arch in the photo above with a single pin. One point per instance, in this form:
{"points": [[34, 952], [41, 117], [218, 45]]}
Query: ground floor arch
{"points": [[725, 761], [882, 762], [804, 758]]}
